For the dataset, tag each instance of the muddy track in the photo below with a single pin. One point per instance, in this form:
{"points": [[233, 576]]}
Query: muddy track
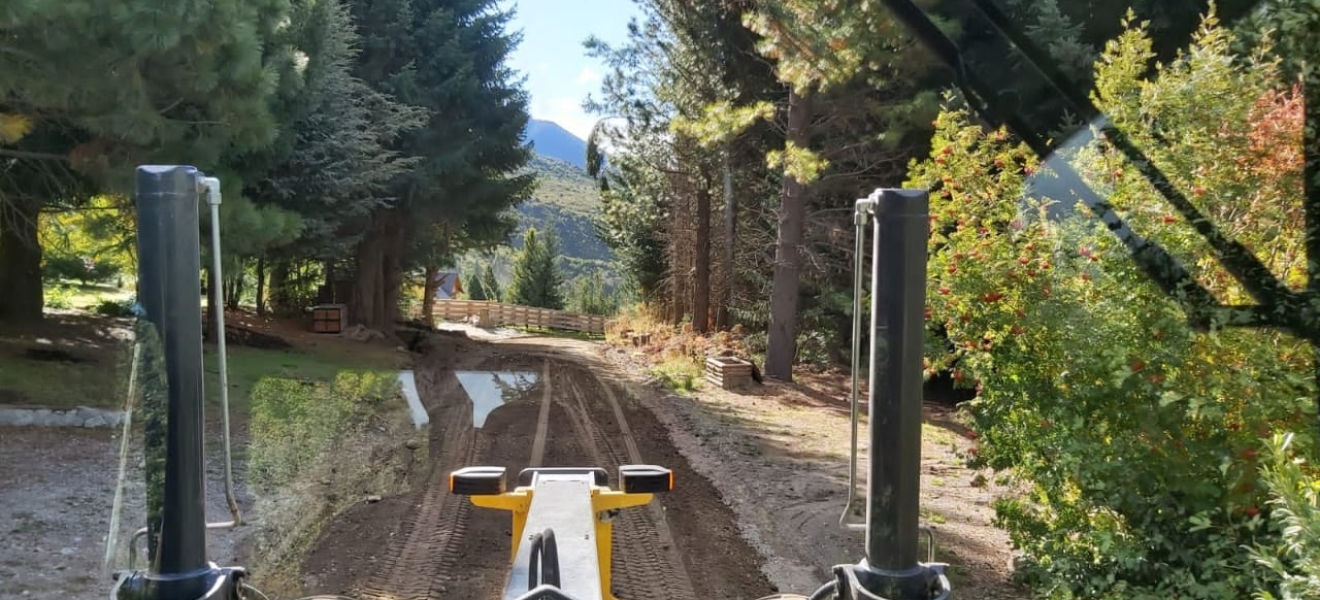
{"points": [[416, 566], [431, 545], [646, 564]]}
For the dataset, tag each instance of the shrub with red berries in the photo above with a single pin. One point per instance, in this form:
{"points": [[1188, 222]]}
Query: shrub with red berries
{"points": [[1092, 389]]}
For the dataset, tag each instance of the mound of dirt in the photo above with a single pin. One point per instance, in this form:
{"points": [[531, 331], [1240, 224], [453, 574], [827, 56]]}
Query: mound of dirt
{"points": [[242, 336], [55, 355]]}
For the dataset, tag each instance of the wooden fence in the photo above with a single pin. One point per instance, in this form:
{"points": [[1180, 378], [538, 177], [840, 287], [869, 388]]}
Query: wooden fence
{"points": [[494, 314]]}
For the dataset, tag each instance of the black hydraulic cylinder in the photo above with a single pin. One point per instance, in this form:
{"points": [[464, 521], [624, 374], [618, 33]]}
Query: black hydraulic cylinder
{"points": [[897, 322], [169, 292]]}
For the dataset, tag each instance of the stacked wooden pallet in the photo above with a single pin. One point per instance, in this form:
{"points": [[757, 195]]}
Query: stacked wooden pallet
{"points": [[728, 372], [329, 318]]}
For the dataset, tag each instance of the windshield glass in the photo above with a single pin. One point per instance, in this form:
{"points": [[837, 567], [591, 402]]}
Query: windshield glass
{"points": [[275, 273]]}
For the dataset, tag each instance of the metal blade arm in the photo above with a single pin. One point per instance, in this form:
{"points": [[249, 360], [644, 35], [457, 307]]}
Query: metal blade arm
{"points": [[1279, 307]]}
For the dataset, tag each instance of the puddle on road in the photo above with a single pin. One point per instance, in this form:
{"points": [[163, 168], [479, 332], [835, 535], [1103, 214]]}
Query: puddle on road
{"points": [[489, 390]]}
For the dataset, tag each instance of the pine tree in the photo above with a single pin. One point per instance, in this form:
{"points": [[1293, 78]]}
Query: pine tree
{"points": [[849, 73], [536, 277], [75, 117], [332, 163], [490, 286], [473, 284], [588, 295], [447, 56]]}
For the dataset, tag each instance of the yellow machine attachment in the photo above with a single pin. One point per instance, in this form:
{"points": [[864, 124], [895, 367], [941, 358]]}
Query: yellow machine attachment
{"points": [[562, 522]]}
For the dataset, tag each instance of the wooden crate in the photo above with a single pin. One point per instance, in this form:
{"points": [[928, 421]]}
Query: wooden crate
{"points": [[728, 372], [329, 318]]}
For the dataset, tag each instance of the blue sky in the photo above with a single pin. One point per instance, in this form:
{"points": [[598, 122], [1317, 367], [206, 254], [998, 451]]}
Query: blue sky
{"points": [[559, 74]]}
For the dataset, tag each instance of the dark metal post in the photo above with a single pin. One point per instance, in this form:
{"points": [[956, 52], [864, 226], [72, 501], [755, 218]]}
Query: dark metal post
{"points": [[169, 293], [892, 569], [896, 350]]}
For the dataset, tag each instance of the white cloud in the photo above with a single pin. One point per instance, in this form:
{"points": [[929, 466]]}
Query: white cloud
{"points": [[588, 76], [565, 111]]}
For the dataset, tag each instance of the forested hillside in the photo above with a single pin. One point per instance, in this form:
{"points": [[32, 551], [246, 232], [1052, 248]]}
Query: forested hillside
{"points": [[567, 199], [566, 204]]}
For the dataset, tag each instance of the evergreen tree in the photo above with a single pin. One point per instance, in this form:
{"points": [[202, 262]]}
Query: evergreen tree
{"points": [[88, 90], [588, 295], [536, 277], [490, 286], [332, 163], [447, 56], [474, 287], [849, 72]]}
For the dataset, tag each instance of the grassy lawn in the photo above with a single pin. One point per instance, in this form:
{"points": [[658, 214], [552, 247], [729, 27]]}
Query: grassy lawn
{"points": [[64, 361], [90, 363], [321, 362], [72, 295], [54, 384]]}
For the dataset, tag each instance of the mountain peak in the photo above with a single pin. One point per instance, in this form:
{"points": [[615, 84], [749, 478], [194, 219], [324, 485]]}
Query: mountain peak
{"points": [[549, 139]]}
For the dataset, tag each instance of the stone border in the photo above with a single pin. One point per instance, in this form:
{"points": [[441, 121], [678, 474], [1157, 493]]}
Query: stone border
{"points": [[13, 416]]}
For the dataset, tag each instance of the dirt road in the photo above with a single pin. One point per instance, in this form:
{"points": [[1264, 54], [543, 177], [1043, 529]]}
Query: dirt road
{"points": [[518, 404]]}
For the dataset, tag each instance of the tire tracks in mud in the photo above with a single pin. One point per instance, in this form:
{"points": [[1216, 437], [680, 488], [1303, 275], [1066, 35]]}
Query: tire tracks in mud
{"points": [[646, 562], [417, 566], [443, 547]]}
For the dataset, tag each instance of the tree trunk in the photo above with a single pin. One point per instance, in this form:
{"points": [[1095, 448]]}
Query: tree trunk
{"points": [[233, 285], [20, 262], [1311, 197], [428, 295], [781, 349], [279, 284], [376, 284], [261, 287], [211, 324], [730, 239], [701, 283], [677, 267], [326, 294], [236, 294]]}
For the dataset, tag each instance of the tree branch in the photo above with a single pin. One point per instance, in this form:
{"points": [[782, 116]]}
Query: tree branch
{"points": [[26, 155]]}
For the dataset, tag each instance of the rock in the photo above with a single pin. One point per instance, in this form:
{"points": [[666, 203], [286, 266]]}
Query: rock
{"points": [[94, 421], [362, 334], [412, 444], [22, 418], [373, 498]]}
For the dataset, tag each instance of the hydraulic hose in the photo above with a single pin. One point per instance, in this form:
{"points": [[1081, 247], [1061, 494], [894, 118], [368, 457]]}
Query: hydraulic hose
{"points": [[823, 592], [543, 567], [863, 208], [212, 186]]}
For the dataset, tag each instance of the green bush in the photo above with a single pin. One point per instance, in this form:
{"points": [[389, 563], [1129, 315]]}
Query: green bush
{"points": [[294, 422], [57, 296], [73, 268], [1136, 438], [1294, 510], [114, 308]]}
